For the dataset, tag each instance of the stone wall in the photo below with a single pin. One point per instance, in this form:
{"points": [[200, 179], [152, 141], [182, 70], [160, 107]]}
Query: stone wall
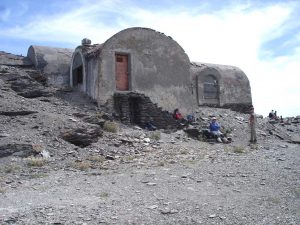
{"points": [[134, 108]]}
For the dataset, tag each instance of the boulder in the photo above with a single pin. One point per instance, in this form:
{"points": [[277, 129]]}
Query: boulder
{"points": [[82, 137], [21, 150], [193, 132]]}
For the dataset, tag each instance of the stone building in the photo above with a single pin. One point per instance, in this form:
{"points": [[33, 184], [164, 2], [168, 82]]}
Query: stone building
{"points": [[221, 86], [143, 74], [54, 63], [142, 70]]}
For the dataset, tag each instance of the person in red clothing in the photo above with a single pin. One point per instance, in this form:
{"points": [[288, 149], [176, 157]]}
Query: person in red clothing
{"points": [[177, 115]]}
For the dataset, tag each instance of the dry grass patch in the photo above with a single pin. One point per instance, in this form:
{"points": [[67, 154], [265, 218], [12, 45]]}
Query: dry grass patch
{"points": [[104, 194], [274, 200], [11, 168], [2, 190], [83, 166], [161, 163], [96, 158], [297, 192], [254, 147], [155, 135], [184, 152], [110, 126], [128, 158], [99, 114], [238, 149], [190, 162], [38, 175], [37, 148], [226, 149], [35, 162]]}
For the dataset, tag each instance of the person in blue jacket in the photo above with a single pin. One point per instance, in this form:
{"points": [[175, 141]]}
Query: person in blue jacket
{"points": [[214, 128]]}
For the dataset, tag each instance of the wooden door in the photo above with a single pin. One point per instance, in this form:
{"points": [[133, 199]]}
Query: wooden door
{"points": [[122, 72]]}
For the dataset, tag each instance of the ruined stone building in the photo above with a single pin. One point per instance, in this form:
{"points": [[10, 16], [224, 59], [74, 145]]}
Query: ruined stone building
{"points": [[143, 74]]}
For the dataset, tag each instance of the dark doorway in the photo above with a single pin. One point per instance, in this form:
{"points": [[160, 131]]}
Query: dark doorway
{"points": [[78, 76], [135, 110]]}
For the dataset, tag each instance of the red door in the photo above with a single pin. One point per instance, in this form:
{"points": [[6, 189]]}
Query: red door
{"points": [[122, 72]]}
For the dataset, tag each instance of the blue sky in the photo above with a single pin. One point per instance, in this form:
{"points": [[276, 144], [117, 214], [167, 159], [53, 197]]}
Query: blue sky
{"points": [[262, 37]]}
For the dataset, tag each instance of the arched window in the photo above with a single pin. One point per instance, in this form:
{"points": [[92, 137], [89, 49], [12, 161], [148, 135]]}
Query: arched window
{"points": [[211, 87]]}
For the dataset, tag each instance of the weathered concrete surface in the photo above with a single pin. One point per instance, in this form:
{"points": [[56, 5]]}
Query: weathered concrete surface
{"points": [[234, 86], [53, 62], [14, 60], [86, 56], [158, 68]]}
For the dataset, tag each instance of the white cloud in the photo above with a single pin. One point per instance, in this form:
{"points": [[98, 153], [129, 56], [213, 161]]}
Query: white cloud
{"points": [[69, 27], [233, 37]]}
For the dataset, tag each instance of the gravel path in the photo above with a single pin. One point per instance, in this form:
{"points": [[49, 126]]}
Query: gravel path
{"points": [[256, 187]]}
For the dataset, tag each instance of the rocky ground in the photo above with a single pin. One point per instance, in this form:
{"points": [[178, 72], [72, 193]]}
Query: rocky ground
{"points": [[118, 174]]}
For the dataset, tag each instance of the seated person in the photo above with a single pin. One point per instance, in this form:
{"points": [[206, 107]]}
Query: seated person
{"points": [[149, 125], [177, 115], [214, 128], [190, 119], [181, 122], [271, 115]]}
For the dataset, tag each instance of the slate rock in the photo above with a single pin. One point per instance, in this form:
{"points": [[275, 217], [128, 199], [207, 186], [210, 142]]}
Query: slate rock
{"points": [[29, 88], [82, 137], [94, 120], [22, 150], [17, 113], [193, 132]]}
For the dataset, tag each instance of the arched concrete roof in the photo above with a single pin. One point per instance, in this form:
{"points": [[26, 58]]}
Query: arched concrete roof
{"points": [[234, 84], [159, 66], [88, 55], [53, 62]]}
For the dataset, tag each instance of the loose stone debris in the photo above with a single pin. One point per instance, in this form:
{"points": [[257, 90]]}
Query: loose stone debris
{"points": [[57, 170]]}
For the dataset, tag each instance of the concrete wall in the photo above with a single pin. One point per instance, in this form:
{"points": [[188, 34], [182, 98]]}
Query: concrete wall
{"points": [[158, 68], [86, 56], [234, 87], [93, 78], [54, 63]]}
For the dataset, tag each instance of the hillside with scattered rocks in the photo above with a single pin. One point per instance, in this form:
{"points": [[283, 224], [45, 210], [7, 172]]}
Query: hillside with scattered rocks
{"points": [[63, 160]]}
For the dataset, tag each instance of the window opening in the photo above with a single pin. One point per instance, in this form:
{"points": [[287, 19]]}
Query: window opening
{"points": [[211, 87]]}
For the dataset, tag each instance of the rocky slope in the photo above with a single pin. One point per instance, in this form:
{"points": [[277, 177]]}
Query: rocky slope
{"points": [[61, 162]]}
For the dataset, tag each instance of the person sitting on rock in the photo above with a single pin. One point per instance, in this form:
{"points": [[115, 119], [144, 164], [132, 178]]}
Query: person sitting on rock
{"points": [[181, 122], [177, 115], [271, 114], [150, 125], [214, 128], [190, 119]]}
